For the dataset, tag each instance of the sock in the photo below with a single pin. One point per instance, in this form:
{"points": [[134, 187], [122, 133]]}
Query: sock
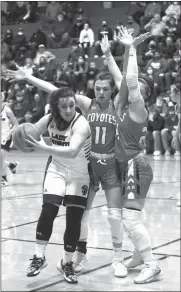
{"points": [[114, 218], [67, 256], [40, 248]]}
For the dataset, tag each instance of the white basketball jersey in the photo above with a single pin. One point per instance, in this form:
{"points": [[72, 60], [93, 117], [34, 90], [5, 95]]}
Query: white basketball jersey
{"points": [[62, 138], [6, 124]]}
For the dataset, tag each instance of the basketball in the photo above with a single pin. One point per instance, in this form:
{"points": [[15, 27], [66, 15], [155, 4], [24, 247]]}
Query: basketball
{"points": [[21, 133]]}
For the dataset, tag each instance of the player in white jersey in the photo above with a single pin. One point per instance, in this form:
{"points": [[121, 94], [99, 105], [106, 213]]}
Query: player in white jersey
{"points": [[8, 124], [66, 179]]}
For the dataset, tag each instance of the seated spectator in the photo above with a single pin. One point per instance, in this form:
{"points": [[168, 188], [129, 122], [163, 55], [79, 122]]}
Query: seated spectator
{"points": [[174, 72], [42, 52], [151, 50], [70, 77], [104, 67], [81, 15], [5, 52], [155, 124], [75, 30], [173, 10], [20, 107], [105, 29], [52, 11], [69, 10], [156, 27], [12, 12], [90, 89], [59, 38], [161, 106], [37, 38], [8, 37], [92, 71], [75, 52], [30, 15], [20, 56], [132, 26], [86, 39], [29, 67], [37, 110], [159, 66], [19, 40], [168, 133], [172, 29], [151, 9], [80, 69]]}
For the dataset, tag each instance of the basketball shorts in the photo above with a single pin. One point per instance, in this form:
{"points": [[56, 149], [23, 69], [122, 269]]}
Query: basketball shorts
{"points": [[104, 172], [65, 185], [7, 144], [136, 176]]}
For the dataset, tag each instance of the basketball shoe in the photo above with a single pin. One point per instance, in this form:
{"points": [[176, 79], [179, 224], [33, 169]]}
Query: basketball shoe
{"points": [[36, 266], [134, 261], [13, 167], [119, 268], [68, 272], [78, 261], [150, 273]]}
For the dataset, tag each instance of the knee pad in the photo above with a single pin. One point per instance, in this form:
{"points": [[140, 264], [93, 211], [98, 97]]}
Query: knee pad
{"points": [[73, 225], [114, 218], [45, 222]]}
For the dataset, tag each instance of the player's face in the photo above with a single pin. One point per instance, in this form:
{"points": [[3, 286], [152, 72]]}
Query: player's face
{"points": [[103, 90], [175, 95], [66, 108]]}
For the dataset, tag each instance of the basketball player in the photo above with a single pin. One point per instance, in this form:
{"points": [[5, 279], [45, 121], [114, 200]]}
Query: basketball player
{"points": [[8, 124], [66, 178], [101, 115], [134, 166], [102, 118], [175, 97]]}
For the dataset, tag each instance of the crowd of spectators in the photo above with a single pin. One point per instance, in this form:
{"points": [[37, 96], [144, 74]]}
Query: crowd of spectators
{"points": [[63, 25]]}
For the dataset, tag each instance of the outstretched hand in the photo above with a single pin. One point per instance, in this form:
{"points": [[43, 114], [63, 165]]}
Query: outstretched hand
{"points": [[20, 74], [127, 40], [105, 46]]}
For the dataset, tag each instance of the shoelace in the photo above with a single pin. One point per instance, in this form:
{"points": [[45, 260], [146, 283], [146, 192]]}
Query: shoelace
{"points": [[69, 269], [35, 262]]}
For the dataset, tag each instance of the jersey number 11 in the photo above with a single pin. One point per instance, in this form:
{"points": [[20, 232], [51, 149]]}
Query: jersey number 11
{"points": [[100, 133]]}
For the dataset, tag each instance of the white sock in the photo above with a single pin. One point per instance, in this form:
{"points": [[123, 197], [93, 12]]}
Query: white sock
{"points": [[40, 248], [84, 226], [114, 218], [67, 256]]}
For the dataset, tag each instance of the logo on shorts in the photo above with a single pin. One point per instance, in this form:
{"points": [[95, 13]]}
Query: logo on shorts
{"points": [[103, 162], [84, 189]]}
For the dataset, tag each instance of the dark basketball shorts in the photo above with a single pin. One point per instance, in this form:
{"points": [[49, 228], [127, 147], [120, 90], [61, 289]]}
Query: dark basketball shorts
{"points": [[104, 172], [136, 177], [7, 145]]}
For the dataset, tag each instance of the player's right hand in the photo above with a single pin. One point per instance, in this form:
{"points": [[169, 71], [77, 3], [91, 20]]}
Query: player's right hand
{"points": [[20, 74], [105, 46]]}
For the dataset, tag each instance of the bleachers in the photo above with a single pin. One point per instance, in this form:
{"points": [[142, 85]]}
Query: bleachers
{"points": [[96, 14]]}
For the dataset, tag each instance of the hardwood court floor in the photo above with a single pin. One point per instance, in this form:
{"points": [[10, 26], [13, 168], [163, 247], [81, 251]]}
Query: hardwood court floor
{"points": [[21, 206]]}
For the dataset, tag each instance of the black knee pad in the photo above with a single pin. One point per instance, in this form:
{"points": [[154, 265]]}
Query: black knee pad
{"points": [[45, 222], [73, 225]]}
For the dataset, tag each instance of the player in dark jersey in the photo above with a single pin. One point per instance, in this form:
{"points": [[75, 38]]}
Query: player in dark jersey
{"points": [[101, 115], [135, 169], [175, 97]]}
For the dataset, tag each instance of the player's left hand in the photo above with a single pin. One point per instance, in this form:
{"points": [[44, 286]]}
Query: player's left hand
{"points": [[127, 40], [39, 145]]}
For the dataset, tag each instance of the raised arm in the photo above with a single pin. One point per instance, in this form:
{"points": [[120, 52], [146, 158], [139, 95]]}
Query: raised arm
{"points": [[137, 109], [83, 102], [113, 67]]}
